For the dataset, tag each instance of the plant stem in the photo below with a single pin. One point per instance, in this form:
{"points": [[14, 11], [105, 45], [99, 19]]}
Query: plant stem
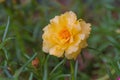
{"points": [[45, 76], [72, 70], [76, 70]]}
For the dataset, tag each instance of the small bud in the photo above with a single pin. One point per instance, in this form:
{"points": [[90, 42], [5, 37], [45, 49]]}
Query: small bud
{"points": [[35, 62]]}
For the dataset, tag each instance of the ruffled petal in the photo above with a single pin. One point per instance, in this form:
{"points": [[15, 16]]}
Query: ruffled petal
{"points": [[56, 51]]}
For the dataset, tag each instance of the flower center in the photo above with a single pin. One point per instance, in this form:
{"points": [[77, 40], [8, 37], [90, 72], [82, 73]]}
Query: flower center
{"points": [[64, 34]]}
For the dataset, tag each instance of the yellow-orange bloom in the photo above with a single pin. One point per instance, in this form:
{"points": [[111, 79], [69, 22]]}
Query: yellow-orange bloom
{"points": [[65, 36]]}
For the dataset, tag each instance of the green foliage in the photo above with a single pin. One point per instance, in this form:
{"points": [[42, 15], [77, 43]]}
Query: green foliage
{"points": [[21, 24]]}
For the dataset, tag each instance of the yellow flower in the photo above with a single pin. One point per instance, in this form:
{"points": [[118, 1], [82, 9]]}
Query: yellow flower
{"points": [[65, 36]]}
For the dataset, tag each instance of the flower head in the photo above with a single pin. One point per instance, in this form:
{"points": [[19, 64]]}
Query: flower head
{"points": [[65, 36]]}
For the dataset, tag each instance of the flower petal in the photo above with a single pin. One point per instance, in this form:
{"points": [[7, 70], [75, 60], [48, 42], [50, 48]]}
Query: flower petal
{"points": [[73, 55], [85, 28], [57, 51]]}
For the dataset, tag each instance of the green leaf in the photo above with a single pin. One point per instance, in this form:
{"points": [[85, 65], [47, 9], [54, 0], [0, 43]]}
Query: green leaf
{"points": [[113, 41], [4, 42], [6, 29], [115, 67], [5, 52], [31, 76], [17, 73], [58, 65], [109, 73], [62, 75]]}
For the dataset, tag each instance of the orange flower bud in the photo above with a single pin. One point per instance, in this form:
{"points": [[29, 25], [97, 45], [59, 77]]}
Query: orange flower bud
{"points": [[35, 62]]}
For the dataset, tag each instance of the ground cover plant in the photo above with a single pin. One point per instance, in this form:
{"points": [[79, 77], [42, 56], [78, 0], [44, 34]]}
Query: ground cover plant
{"points": [[21, 40]]}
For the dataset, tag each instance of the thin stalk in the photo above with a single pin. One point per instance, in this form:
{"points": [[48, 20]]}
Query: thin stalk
{"points": [[6, 29], [76, 70], [45, 76], [72, 70]]}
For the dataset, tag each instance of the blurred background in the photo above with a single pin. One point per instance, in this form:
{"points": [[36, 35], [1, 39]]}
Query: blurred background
{"points": [[26, 19]]}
